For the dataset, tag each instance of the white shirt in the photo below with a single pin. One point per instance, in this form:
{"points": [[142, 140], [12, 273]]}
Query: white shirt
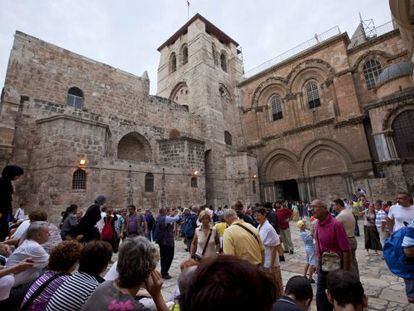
{"points": [[112, 274], [100, 224], [28, 249], [19, 215], [270, 238], [6, 284], [21, 230], [401, 214]]}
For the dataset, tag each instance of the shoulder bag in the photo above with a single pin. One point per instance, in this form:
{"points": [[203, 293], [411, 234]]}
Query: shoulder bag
{"points": [[198, 257], [329, 261]]}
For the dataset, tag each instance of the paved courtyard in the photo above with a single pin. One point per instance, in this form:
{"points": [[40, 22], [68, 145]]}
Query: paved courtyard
{"points": [[385, 291]]}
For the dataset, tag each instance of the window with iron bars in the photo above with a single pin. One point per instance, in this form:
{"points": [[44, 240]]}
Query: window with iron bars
{"points": [[372, 69], [312, 94], [79, 180], [276, 105], [403, 128], [74, 97]]}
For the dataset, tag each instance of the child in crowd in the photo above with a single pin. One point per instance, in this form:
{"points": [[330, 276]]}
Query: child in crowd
{"points": [[309, 249]]}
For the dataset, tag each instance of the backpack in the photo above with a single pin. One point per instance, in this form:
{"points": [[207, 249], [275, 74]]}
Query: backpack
{"points": [[107, 231], [395, 257], [188, 228]]}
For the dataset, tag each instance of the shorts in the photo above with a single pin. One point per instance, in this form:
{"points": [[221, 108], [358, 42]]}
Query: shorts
{"points": [[310, 257], [409, 289]]}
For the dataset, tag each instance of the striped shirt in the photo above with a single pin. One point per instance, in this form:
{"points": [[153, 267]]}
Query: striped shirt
{"points": [[42, 300], [380, 217], [72, 295]]}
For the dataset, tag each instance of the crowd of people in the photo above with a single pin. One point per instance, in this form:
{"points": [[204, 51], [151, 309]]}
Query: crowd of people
{"points": [[234, 254]]}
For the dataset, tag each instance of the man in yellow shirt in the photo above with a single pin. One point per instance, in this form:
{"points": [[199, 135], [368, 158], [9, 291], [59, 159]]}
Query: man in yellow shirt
{"points": [[242, 239]]}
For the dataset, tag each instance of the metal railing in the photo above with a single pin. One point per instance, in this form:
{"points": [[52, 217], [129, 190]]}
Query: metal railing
{"points": [[318, 38], [372, 33]]}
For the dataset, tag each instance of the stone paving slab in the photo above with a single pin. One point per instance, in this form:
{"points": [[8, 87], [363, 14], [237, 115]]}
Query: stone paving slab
{"points": [[385, 291]]}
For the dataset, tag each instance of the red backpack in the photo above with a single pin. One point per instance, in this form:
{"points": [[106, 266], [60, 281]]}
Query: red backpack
{"points": [[107, 231]]}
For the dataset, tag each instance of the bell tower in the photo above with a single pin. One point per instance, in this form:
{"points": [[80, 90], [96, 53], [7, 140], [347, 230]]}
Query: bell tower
{"points": [[200, 68]]}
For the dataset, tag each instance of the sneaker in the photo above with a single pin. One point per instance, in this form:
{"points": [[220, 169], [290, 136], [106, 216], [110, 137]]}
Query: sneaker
{"points": [[166, 276], [286, 252], [281, 258], [291, 252], [312, 281]]}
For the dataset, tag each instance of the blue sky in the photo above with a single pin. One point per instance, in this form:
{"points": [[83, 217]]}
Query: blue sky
{"points": [[126, 33]]}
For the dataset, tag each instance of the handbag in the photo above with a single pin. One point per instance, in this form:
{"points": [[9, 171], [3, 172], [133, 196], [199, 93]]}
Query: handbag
{"points": [[329, 261]]}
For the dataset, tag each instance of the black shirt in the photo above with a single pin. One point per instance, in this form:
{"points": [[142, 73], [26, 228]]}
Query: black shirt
{"points": [[286, 303]]}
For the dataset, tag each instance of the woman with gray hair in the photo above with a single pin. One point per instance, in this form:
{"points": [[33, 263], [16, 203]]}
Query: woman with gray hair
{"points": [[136, 264]]}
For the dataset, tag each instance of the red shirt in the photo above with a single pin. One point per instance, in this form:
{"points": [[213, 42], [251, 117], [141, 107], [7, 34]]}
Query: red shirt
{"points": [[330, 236], [283, 216]]}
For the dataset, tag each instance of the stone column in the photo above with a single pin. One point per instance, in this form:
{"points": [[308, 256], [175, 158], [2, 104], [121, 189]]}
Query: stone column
{"points": [[9, 111], [381, 144], [302, 187]]}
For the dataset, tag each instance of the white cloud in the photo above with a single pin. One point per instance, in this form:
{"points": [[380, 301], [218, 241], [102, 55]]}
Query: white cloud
{"points": [[126, 33]]}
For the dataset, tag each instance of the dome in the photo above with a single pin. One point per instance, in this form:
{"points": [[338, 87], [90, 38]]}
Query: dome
{"points": [[394, 71]]}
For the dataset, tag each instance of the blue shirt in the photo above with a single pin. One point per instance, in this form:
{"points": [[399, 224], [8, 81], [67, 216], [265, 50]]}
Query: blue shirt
{"points": [[307, 239]]}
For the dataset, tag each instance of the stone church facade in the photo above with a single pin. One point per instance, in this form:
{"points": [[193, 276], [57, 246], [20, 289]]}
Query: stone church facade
{"points": [[331, 119]]}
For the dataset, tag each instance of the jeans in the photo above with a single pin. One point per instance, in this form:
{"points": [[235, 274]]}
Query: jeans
{"points": [[167, 256], [409, 289], [356, 226], [322, 302]]}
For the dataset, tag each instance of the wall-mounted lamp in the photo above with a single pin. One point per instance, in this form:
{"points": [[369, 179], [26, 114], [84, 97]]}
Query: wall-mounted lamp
{"points": [[82, 162], [254, 176], [195, 173]]}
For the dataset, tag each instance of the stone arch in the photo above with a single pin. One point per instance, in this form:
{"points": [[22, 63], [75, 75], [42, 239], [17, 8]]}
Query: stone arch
{"points": [[324, 157], [134, 147], [278, 154], [266, 87], [316, 69], [184, 54], [382, 56], [173, 62], [393, 113], [223, 60], [281, 168], [403, 133], [180, 94]]}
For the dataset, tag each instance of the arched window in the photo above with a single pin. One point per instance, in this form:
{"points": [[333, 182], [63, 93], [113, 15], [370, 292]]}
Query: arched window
{"points": [[312, 94], [223, 61], [173, 62], [214, 54], [149, 182], [74, 97], [194, 182], [227, 138], [372, 69], [403, 127], [184, 54], [79, 180], [276, 105]]}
